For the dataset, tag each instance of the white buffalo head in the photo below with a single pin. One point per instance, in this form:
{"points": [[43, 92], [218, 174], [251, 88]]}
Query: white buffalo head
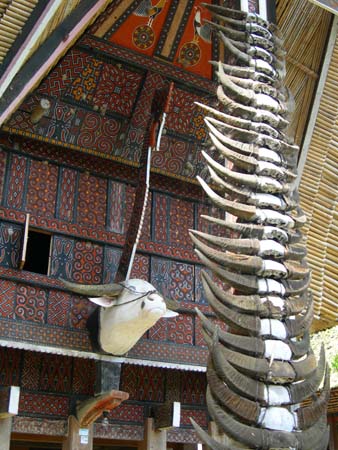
{"points": [[128, 310]]}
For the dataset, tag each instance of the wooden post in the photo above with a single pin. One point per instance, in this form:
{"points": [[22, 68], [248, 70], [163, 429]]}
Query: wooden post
{"points": [[5, 433], [9, 406], [153, 440], [78, 438]]}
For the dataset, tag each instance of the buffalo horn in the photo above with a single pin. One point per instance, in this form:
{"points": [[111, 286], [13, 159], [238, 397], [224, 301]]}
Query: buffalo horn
{"points": [[256, 231], [266, 184], [245, 409], [94, 290], [249, 435], [246, 344], [240, 210], [312, 438], [257, 305], [209, 441], [309, 415], [244, 322]]}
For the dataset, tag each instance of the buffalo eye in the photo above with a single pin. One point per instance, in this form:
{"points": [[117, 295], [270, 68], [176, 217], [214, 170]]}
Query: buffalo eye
{"points": [[151, 297], [143, 304]]}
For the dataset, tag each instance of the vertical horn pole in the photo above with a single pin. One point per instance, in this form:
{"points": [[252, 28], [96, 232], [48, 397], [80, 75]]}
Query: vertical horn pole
{"points": [[263, 10], [245, 5]]}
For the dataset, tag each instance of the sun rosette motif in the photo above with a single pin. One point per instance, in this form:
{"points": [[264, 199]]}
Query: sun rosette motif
{"points": [[190, 54], [143, 37], [262, 368]]}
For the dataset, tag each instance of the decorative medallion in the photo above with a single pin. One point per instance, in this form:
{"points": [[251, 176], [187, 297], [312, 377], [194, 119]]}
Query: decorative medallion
{"points": [[143, 37], [190, 54]]}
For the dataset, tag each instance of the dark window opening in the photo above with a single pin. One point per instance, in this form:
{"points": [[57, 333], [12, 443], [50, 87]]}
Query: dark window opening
{"points": [[37, 253]]}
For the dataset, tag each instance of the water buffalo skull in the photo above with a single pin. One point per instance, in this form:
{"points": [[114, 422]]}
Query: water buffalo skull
{"points": [[127, 310]]}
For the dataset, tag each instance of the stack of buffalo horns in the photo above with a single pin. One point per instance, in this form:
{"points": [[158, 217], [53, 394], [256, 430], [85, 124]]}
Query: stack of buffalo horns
{"points": [[262, 370]]}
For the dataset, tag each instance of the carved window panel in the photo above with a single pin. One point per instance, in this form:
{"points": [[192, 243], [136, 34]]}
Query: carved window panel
{"points": [[62, 257], [112, 257], [10, 244]]}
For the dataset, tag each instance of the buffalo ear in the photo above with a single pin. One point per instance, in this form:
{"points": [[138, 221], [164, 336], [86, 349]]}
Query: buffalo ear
{"points": [[169, 314], [106, 302]]}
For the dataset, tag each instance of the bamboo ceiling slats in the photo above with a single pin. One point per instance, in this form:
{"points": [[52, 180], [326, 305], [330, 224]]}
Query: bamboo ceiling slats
{"points": [[13, 16], [306, 35], [61, 13], [319, 197]]}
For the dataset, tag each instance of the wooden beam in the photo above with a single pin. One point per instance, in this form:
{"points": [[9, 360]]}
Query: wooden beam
{"points": [[107, 376], [78, 438], [91, 409], [48, 54], [167, 415], [153, 440], [9, 401], [5, 433]]}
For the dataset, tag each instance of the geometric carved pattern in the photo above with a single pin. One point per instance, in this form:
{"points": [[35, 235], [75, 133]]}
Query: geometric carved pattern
{"points": [[143, 383], [66, 199], [3, 159], [117, 89], [91, 208], [98, 132], [173, 279], [199, 338], [15, 191], [199, 291], [10, 367], [56, 373], [30, 378], [62, 257], [58, 308], [7, 297], [83, 376], [172, 156], [42, 184], [140, 268], [158, 331], [44, 404], [199, 415], [83, 86], [193, 388], [81, 308], [161, 218], [112, 257], [127, 413], [31, 303], [70, 67], [181, 219], [10, 244], [171, 221], [120, 205], [87, 262], [185, 117], [180, 329]]}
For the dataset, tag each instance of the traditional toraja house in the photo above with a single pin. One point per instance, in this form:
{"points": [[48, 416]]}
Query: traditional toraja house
{"points": [[78, 80]]}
